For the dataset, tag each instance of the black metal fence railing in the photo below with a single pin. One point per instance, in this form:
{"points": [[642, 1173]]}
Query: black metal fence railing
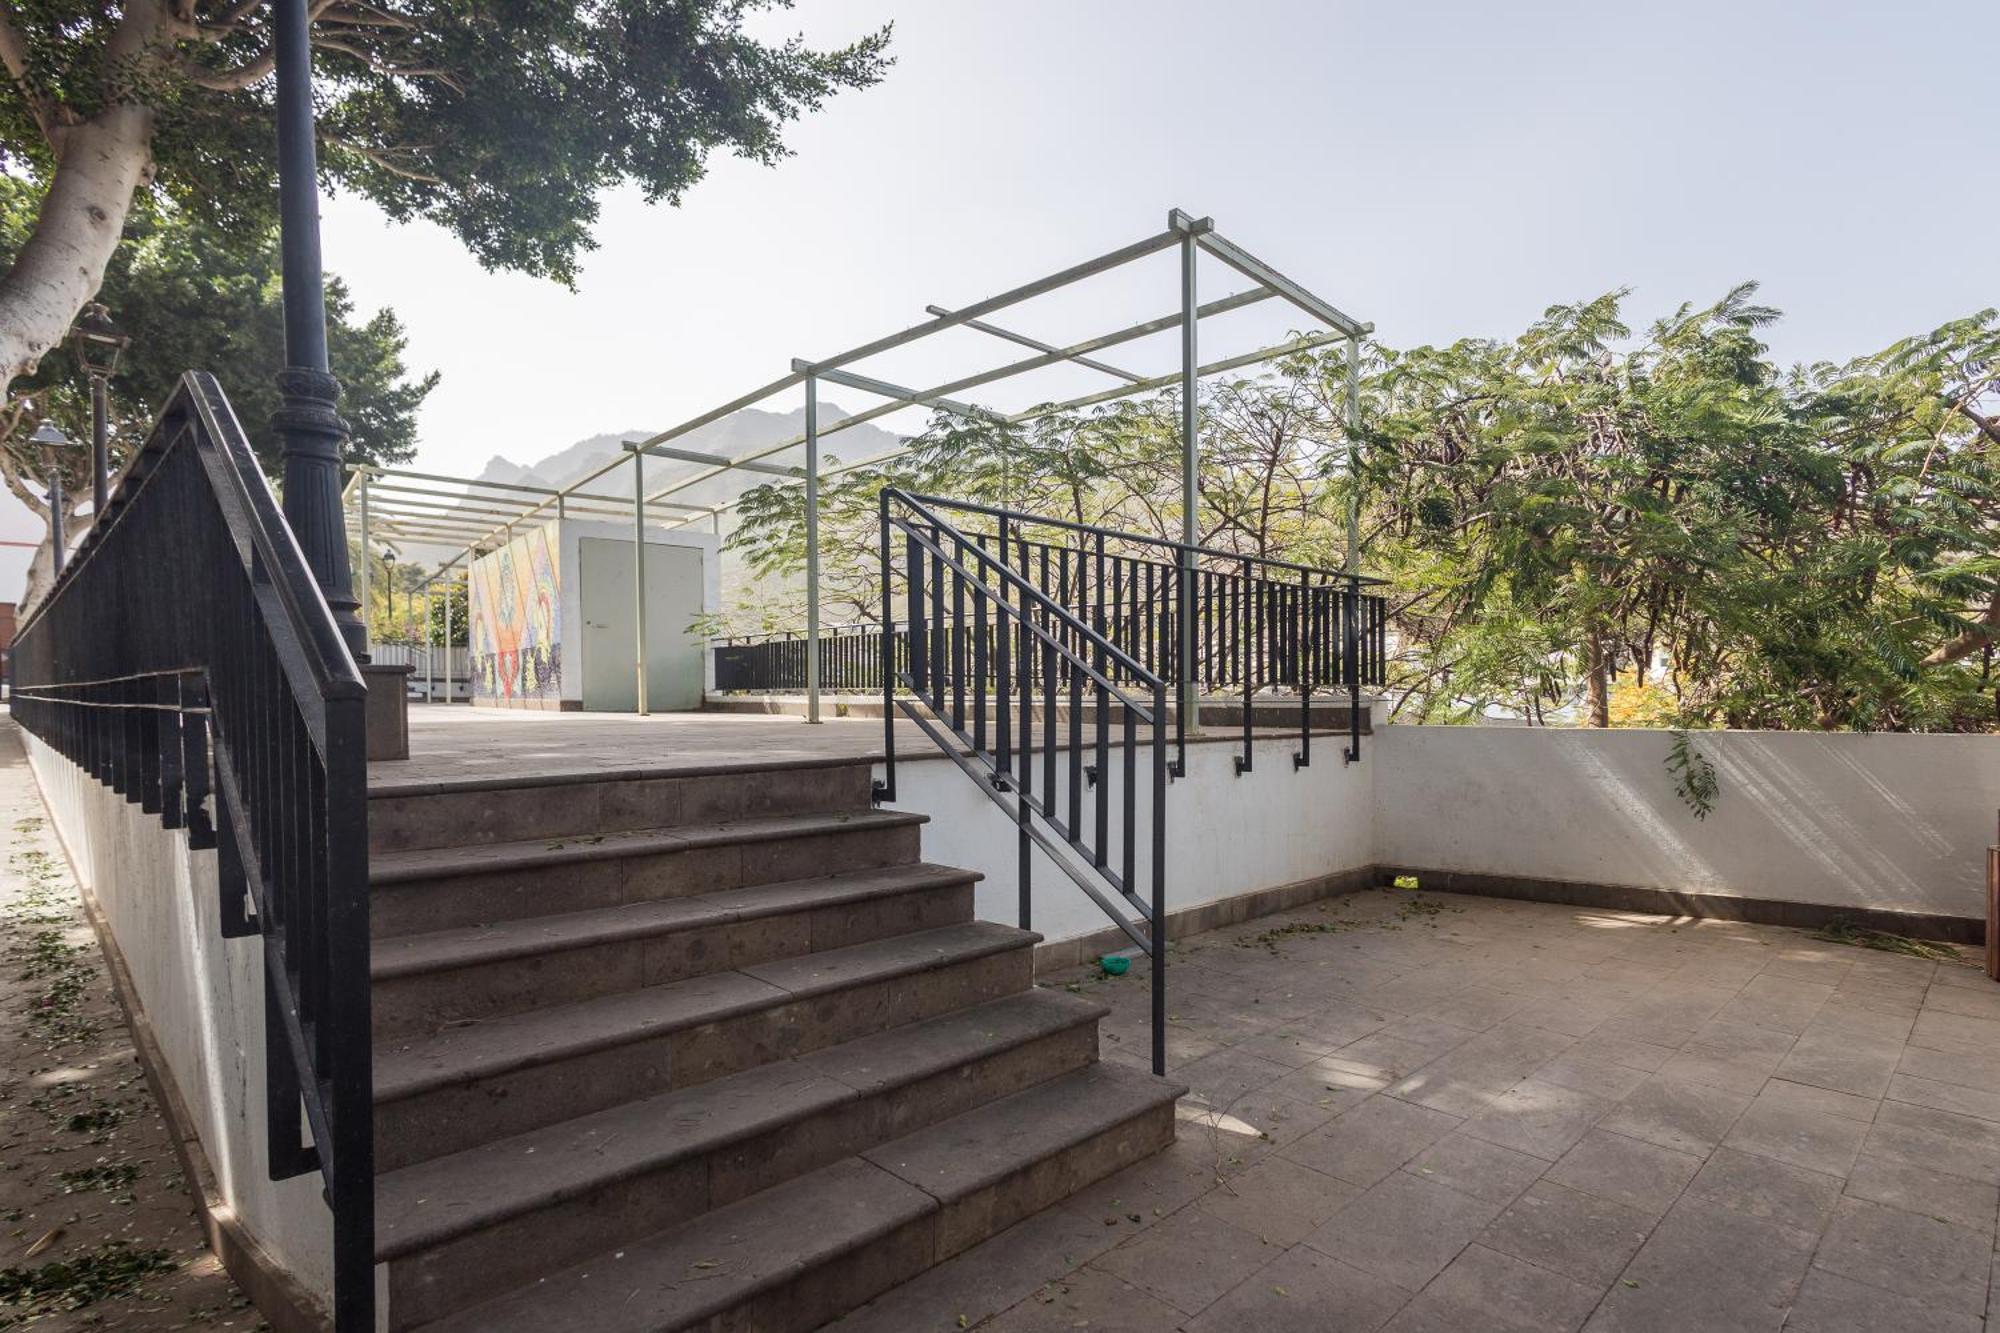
{"points": [[850, 660], [1259, 624], [186, 658], [1008, 738]]}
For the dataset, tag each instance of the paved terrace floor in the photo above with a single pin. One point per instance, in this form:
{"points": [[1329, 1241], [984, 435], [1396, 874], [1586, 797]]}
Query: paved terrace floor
{"points": [[1428, 1112], [459, 743]]}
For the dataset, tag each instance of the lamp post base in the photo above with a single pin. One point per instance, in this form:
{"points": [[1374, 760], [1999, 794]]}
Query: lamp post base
{"points": [[388, 709]]}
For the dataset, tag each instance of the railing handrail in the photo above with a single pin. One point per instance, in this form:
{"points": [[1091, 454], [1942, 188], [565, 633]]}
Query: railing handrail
{"points": [[1119, 534], [1050, 637], [1056, 609], [261, 713]]}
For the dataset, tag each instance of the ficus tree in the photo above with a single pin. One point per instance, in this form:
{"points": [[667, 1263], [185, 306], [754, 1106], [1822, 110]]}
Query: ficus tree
{"points": [[503, 123], [189, 293]]}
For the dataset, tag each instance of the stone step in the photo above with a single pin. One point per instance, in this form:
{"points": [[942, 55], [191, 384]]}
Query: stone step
{"points": [[424, 982], [473, 1084], [408, 816], [433, 889], [801, 1253], [456, 1228]]}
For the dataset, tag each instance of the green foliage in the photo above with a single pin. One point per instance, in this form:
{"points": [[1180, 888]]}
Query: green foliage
{"points": [[501, 123], [1578, 523], [1694, 775], [194, 295]]}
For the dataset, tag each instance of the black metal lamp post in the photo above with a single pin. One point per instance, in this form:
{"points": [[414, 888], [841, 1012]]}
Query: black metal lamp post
{"points": [[389, 593], [310, 431], [98, 343], [48, 437]]}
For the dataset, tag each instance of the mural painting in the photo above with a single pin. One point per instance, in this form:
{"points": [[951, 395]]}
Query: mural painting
{"points": [[516, 641]]}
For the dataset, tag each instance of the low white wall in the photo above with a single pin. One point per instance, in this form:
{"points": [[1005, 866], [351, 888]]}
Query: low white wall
{"points": [[203, 996], [1887, 821], [1226, 835]]}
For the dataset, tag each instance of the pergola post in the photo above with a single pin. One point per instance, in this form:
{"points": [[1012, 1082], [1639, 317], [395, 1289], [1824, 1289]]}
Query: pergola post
{"points": [[447, 633], [1190, 690], [1354, 454], [367, 602], [812, 548], [639, 571], [430, 649]]}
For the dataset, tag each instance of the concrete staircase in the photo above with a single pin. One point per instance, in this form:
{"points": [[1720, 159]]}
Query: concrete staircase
{"points": [[715, 1050]]}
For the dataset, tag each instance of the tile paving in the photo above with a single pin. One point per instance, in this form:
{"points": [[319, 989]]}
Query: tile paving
{"points": [[1430, 1112]]}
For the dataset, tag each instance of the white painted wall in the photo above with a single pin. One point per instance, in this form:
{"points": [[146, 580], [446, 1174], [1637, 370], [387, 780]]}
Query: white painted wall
{"points": [[1896, 822], [1226, 835], [204, 996]]}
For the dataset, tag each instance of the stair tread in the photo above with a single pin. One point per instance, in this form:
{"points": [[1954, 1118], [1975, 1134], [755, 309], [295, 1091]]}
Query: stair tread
{"points": [[717, 1261], [404, 955], [425, 1204], [529, 853], [459, 1055], [957, 1157]]}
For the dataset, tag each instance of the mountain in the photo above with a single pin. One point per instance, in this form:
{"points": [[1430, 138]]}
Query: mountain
{"points": [[735, 436]]}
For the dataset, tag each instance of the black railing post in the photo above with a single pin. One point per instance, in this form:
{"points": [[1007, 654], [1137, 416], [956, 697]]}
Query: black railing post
{"points": [[1159, 907], [885, 790], [1351, 641], [311, 433]]}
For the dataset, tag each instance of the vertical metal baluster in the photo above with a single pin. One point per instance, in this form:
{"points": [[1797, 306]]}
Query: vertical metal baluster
{"points": [[886, 791], [940, 656], [1158, 933], [1003, 690], [1103, 665], [1244, 657], [957, 550], [979, 686]]}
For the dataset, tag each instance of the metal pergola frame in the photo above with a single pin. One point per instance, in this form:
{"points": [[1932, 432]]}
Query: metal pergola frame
{"points": [[408, 518]]}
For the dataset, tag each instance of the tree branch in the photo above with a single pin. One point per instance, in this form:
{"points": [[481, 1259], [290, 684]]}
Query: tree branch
{"points": [[48, 115]]}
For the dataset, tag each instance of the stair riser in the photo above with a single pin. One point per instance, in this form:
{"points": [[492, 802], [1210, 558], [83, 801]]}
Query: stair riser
{"points": [[825, 1291], [448, 1120], [963, 1223], [427, 1001], [436, 1282], [449, 902], [507, 814]]}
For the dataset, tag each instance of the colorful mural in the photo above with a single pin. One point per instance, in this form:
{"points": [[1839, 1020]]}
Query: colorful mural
{"points": [[516, 642]]}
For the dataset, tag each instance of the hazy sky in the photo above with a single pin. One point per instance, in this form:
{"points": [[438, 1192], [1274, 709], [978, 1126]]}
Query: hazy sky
{"points": [[1443, 169]]}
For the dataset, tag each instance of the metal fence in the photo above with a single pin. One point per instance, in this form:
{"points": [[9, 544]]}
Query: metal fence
{"points": [[186, 658]]}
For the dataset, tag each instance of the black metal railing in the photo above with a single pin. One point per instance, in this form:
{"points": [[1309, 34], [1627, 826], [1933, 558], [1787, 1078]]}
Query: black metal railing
{"points": [[972, 619], [186, 658], [850, 660], [1259, 624]]}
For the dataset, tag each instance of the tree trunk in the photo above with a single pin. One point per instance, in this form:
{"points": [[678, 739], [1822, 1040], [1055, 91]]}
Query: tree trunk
{"points": [[1597, 669], [102, 163]]}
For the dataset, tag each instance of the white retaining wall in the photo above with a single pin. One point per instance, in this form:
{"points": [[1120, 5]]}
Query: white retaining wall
{"points": [[1226, 835], [203, 996], [1886, 821]]}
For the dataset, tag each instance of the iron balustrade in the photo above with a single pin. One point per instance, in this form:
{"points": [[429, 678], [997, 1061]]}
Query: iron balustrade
{"points": [[186, 658], [1031, 648], [1260, 624], [850, 659]]}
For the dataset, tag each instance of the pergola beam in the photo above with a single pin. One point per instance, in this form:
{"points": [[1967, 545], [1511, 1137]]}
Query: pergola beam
{"points": [[910, 397], [1023, 340], [1259, 272]]}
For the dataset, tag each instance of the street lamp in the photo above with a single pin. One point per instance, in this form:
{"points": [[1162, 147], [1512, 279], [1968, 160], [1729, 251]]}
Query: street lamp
{"points": [[48, 437], [310, 431], [389, 577], [98, 344]]}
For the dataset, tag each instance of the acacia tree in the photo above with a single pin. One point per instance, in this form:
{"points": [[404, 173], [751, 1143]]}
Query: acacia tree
{"points": [[502, 123]]}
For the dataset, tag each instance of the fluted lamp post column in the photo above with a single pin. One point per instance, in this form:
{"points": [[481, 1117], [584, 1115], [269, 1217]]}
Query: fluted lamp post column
{"points": [[311, 434]]}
